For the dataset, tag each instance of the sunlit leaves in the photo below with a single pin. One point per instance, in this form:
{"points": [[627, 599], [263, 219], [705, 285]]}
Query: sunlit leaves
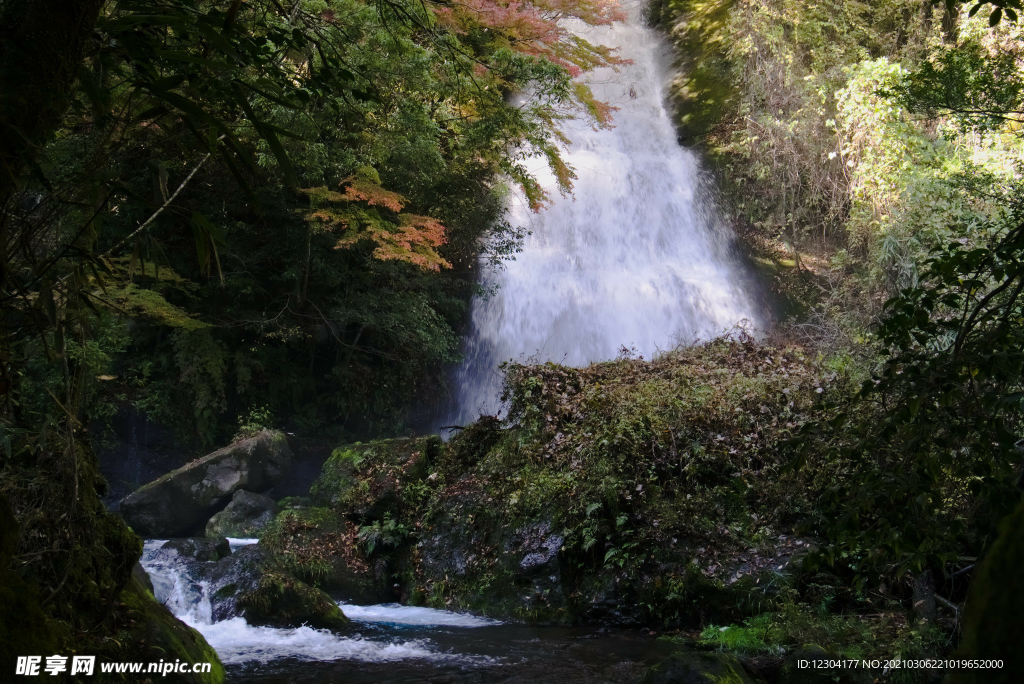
{"points": [[981, 90], [398, 236]]}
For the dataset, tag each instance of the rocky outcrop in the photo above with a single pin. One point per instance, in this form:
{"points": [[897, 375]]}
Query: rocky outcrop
{"points": [[179, 500], [246, 516], [320, 547], [250, 584], [199, 549], [155, 634]]}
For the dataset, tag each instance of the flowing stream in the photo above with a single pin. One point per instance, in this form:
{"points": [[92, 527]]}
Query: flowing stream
{"points": [[638, 258], [395, 643]]}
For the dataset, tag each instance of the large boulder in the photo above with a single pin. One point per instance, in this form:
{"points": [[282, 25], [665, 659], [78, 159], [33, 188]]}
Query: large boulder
{"points": [[320, 547], [251, 584], [155, 634], [172, 504], [245, 516]]}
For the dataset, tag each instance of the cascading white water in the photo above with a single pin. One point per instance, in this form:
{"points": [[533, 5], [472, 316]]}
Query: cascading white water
{"points": [[638, 258], [238, 642]]}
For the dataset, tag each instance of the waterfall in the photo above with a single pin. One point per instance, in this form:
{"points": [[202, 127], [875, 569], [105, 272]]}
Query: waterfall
{"points": [[639, 256]]}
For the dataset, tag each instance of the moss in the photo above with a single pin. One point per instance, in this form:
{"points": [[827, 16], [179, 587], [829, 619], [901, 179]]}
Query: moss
{"points": [[282, 600], [23, 625], [471, 445], [365, 480], [337, 477], [149, 632], [226, 591], [992, 626], [80, 557], [319, 546]]}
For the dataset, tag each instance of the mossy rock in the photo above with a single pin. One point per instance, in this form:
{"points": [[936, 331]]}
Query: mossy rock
{"points": [[173, 503], [83, 567], [469, 446], [993, 627], [24, 629], [365, 480], [280, 600], [317, 545], [149, 632], [251, 583], [695, 667], [245, 517]]}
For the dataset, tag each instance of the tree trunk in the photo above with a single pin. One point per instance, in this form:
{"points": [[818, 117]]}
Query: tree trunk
{"points": [[950, 26]]}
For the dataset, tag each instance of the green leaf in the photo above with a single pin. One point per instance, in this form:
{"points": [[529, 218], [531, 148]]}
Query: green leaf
{"points": [[162, 85], [270, 136], [99, 99]]}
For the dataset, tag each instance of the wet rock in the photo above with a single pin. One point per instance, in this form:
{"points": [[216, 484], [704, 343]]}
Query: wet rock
{"points": [[694, 667], [605, 602], [246, 516], [452, 546], [191, 555], [536, 549], [201, 549], [250, 584], [155, 634], [184, 497], [140, 575]]}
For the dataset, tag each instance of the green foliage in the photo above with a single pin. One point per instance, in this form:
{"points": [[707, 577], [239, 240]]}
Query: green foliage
{"points": [[201, 363], [259, 419], [849, 636], [383, 535], [981, 90], [948, 410]]}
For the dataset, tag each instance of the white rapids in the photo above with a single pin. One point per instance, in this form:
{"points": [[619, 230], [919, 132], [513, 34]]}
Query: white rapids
{"points": [[236, 641], [410, 616], [638, 258]]}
